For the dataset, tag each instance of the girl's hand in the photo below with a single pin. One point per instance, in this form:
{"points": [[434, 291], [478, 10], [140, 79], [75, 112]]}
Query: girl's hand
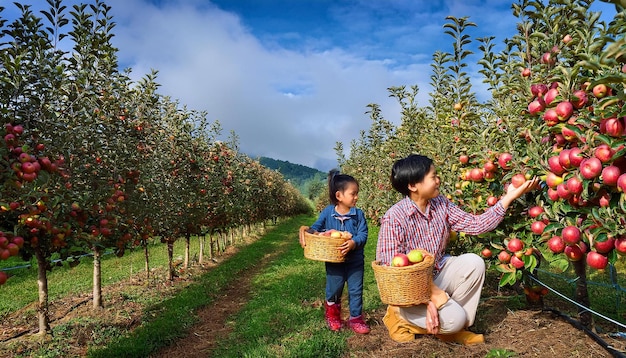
{"points": [[432, 318], [347, 246]]}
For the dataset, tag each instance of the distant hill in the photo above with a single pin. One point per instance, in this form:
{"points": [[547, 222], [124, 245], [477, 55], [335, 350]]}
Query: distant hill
{"points": [[300, 176], [291, 171]]}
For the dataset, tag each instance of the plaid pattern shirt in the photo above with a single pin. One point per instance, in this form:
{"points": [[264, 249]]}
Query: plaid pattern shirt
{"points": [[404, 227]]}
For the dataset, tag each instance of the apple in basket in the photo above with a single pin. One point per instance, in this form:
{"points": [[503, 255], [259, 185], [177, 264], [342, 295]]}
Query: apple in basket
{"points": [[400, 260], [415, 256], [335, 234]]}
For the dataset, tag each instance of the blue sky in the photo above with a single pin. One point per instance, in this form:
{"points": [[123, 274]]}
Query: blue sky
{"points": [[293, 77]]}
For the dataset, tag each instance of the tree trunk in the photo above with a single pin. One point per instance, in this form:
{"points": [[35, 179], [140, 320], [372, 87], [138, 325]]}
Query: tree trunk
{"points": [[170, 260], [201, 239], [97, 278], [42, 284], [147, 260], [211, 245], [186, 260], [582, 295]]}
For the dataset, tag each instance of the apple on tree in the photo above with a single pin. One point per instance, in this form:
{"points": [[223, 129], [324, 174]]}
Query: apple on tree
{"points": [[596, 260], [573, 252], [556, 244]]}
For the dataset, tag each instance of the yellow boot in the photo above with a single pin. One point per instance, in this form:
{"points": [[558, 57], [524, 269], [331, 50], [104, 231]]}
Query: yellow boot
{"points": [[400, 330], [463, 337]]}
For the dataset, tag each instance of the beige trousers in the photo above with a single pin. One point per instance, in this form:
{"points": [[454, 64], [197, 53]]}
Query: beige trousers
{"points": [[462, 278]]}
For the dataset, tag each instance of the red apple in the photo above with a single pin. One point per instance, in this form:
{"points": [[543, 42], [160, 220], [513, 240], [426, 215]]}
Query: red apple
{"points": [[489, 166], [604, 199], [576, 157], [604, 247], [573, 253], [536, 106], [526, 72], [571, 234], [590, 168], [504, 257], [553, 180], [517, 262], [535, 211], [568, 134], [551, 117], [515, 245], [504, 160], [550, 96], [596, 260], [563, 192], [3, 278], [555, 166], [614, 127], [600, 91], [486, 252], [580, 99], [610, 174], [556, 244], [564, 110], [553, 194], [538, 89], [464, 159], [567, 39], [620, 245], [604, 152], [518, 179], [537, 227], [621, 183], [476, 174], [564, 159], [400, 260], [492, 200], [574, 185], [548, 58]]}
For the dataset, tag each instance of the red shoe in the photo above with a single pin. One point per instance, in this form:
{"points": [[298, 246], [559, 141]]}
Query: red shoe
{"points": [[358, 325], [333, 316]]}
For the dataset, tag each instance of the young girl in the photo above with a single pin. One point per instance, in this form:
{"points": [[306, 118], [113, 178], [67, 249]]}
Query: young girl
{"points": [[342, 215], [424, 219]]}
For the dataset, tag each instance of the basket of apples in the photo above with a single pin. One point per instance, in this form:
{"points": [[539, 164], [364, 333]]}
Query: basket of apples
{"points": [[324, 246], [407, 280]]}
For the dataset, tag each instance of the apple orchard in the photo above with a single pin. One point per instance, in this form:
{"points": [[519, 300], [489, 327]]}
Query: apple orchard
{"points": [[92, 162], [556, 112]]}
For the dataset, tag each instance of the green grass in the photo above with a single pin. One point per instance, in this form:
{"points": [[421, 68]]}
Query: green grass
{"points": [[21, 289]]}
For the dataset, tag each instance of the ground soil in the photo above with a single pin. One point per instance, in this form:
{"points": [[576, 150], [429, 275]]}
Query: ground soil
{"points": [[529, 332]]}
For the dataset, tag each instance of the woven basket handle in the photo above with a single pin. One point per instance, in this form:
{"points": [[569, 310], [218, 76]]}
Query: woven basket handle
{"points": [[301, 235]]}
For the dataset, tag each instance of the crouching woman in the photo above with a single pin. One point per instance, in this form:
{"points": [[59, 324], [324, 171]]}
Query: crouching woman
{"points": [[424, 219]]}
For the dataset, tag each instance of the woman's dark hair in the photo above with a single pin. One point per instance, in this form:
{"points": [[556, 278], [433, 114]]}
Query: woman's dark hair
{"points": [[409, 170], [338, 182]]}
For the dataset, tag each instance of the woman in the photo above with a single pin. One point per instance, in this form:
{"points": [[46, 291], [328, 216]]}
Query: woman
{"points": [[424, 219]]}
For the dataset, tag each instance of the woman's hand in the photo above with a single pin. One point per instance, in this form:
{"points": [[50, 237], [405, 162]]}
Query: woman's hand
{"points": [[513, 193], [347, 246], [432, 318]]}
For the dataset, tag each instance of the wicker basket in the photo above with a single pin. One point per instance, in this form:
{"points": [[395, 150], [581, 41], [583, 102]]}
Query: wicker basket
{"points": [[323, 248], [405, 286]]}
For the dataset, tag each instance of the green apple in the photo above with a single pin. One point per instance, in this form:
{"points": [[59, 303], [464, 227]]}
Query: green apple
{"points": [[415, 256]]}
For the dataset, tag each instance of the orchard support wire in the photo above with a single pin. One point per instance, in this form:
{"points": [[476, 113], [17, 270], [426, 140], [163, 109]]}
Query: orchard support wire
{"points": [[613, 351]]}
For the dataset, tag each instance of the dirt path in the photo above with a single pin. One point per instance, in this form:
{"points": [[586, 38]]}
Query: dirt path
{"points": [[213, 322]]}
